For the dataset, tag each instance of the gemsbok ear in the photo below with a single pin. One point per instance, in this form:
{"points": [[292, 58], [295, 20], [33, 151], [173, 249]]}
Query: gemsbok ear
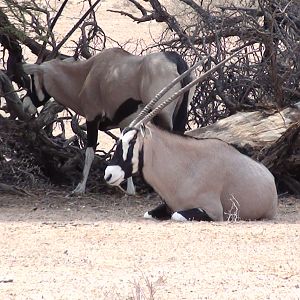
{"points": [[128, 136], [143, 130]]}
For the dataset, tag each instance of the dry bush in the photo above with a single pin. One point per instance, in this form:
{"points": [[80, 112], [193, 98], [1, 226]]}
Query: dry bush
{"points": [[267, 76]]}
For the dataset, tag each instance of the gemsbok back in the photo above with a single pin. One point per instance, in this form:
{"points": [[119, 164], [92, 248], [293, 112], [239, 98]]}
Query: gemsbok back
{"points": [[198, 179], [109, 90]]}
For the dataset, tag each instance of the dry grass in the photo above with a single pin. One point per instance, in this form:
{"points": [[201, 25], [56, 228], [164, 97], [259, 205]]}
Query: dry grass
{"points": [[233, 214], [145, 288]]}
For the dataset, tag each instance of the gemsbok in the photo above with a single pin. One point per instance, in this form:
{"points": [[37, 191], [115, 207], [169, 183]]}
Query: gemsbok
{"points": [[109, 90], [198, 179]]}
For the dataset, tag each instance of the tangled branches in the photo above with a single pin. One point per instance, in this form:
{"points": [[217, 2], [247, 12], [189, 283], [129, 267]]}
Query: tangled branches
{"points": [[267, 76]]}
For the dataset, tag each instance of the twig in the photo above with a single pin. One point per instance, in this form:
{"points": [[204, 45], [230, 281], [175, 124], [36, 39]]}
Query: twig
{"points": [[42, 51], [13, 190], [67, 36], [233, 213]]}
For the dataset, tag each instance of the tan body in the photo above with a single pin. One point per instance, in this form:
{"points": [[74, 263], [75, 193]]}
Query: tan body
{"points": [[109, 90], [99, 85], [208, 174]]}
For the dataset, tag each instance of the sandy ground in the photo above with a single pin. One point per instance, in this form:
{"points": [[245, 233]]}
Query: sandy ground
{"points": [[100, 247]]}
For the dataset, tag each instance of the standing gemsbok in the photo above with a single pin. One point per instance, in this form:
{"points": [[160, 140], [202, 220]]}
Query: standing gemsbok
{"points": [[198, 179], [109, 90]]}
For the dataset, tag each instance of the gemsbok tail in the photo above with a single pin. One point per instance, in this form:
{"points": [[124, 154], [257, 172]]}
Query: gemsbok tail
{"points": [[31, 68]]}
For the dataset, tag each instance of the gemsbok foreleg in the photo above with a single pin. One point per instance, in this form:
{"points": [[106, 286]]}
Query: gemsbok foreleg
{"points": [[161, 212], [194, 214], [92, 137]]}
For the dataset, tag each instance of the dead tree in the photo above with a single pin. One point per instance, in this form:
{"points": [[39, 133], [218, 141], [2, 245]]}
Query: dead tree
{"points": [[271, 137]]}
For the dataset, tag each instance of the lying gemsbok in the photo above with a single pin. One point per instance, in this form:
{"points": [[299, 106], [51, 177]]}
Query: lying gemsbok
{"points": [[109, 90], [199, 179]]}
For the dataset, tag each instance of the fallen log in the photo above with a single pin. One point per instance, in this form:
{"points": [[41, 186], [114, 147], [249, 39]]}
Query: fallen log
{"points": [[272, 138], [283, 159], [256, 129]]}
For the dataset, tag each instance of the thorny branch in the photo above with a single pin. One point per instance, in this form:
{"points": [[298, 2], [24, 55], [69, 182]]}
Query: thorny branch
{"points": [[67, 36], [50, 31]]}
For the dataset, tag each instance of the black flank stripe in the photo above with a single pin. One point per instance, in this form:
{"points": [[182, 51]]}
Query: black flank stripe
{"points": [[127, 108]]}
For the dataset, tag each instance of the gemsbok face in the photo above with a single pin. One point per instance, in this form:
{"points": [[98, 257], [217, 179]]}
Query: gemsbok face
{"points": [[126, 160]]}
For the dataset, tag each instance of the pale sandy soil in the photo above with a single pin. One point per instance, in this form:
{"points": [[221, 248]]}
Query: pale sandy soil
{"points": [[100, 247]]}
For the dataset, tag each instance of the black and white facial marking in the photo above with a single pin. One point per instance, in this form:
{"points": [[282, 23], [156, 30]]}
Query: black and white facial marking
{"points": [[125, 161]]}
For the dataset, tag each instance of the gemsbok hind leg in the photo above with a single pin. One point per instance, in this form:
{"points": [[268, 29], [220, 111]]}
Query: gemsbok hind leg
{"points": [[161, 212], [194, 214]]}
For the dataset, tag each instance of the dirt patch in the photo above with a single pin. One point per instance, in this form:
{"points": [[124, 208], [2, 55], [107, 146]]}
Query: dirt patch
{"points": [[100, 247]]}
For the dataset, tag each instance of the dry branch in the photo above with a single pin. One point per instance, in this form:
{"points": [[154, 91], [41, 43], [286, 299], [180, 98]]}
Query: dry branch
{"points": [[13, 190], [72, 30], [14, 105], [250, 129], [40, 57]]}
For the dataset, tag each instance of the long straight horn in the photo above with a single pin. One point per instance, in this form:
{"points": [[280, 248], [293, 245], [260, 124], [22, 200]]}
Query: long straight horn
{"points": [[152, 114], [149, 106]]}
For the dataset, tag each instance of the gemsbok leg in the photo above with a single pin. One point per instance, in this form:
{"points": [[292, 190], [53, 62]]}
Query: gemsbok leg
{"points": [[161, 212], [194, 214]]}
